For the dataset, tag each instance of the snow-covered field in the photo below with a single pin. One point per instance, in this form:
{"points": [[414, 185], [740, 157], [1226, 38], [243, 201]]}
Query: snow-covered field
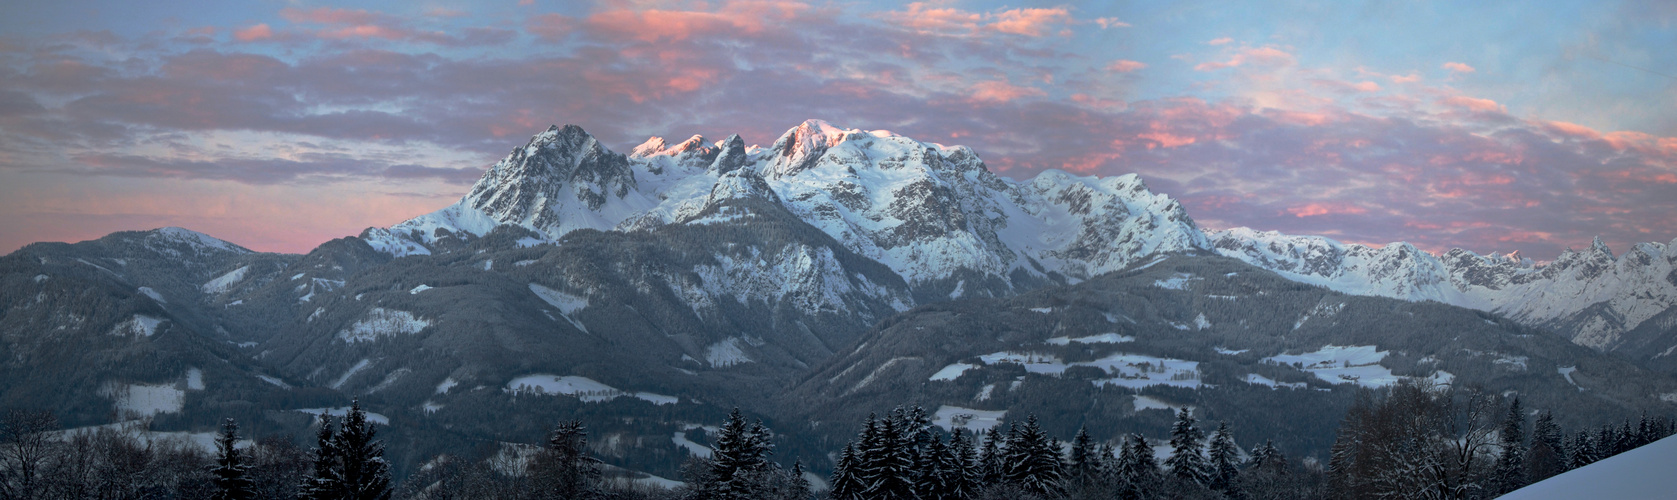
{"points": [[583, 388], [951, 417], [952, 372], [1642, 473], [1105, 338], [1152, 403], [1343, 365], [381, 322], [1127, 370], [341, 411], [147, 400]]}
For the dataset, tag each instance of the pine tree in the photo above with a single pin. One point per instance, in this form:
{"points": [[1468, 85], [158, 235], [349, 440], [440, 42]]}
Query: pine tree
{"points": [[1186, 462], [565, 469], [1582, 452], [1033, 460], [962, 475], [1266, 457], [232, 481], [1224, 458], [366, 475], [1511, 464], [846, 484], [991, 466], [1547, 456], [1080, 469], [1137, 470], [929, 473], [741, 450], [325, 481], [800, 486]]}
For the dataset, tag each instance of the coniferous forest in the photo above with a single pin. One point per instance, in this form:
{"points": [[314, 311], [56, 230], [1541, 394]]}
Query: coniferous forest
{"points": [[1405, 441]]}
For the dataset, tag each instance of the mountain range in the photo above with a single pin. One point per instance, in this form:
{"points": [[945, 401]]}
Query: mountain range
{"points": [[834, 272]]}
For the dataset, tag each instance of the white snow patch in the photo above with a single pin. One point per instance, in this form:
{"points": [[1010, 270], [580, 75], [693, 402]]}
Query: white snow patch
{"points": [[1566, 371], [566, 303], [960, 288], [140, 326], [1127, 370], [1343, 365], [417, 289], [342, 411], [984, 393], [1105, 338], [1201, 323], [146, 400], [430, 407], [294, 277], [1643, 472], [1256, 379], [523, 263], [274, 380], [952, 372], [1179, 281], [1152, 403], [696, 449], [194, 379], [347, 374], [489, 264], [153, 294], [584, 388], [1044, 310], [726, 353], [381, 322], [225, 281], [1229, 352], [447, 383], [952, 417], [527, 242], [40, 278]]}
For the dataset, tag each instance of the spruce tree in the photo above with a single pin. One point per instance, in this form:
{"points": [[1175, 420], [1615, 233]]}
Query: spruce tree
{"points": [[1268, 459], [1137, 470], [1582, 452], [232, 481], [741, 451], [929, 472], [1080, 468], [962, 470], [1223, 458], [325, 480], [366, 475], [1511, 464], [1186, 462], [991, 465], [845, 483], [1547, 456], [1033, 460], [565, 469], [800, 486]]}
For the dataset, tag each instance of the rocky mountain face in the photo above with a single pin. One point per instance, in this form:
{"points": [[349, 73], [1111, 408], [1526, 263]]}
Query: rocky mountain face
{"points": [[1592, 297]]}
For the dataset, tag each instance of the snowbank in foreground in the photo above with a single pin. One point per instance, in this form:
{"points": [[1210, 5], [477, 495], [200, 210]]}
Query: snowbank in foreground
{"points": [[1640, 473]]}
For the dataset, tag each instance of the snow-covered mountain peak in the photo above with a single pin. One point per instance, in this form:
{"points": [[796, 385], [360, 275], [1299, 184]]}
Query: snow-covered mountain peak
{"points": [[200, 242]]}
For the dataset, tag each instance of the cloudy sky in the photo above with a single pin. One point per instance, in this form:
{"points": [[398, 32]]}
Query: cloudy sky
{"points": [[1530, 126]]}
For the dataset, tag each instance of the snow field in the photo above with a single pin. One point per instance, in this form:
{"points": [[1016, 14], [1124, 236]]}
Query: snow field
{"points": [[138, 326], [1127, 370], [1152, 403], [726, 353], [1105, 338], [952, 372], [342, 411], [144, 400], [584, 388], [1256, 379], [952, 417], [381, 322], [1358, 365], [566, 303]]}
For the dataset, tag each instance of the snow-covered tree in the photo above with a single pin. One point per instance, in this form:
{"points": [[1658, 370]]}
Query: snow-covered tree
{"points": [[366, 475], [961, 474], [565, 469], [929, 473], [1511, 463], [325, 480], [991, 466], [232, 481], [1033, 459], [845, 483], [1582, 452], [1223, 458], [1137, 471], [1081, 466], [1547, 456], [1186, 461]]}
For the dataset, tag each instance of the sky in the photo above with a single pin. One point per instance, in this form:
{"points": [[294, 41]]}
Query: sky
{"points": [[278, 125]]}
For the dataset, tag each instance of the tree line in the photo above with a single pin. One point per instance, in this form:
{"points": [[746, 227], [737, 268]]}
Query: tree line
{"points": [[1402, 442]]}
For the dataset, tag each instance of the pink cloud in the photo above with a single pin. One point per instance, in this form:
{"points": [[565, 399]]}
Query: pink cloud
{"points": [[328, 15], [1110, 22], [1412, 78], [254, 33], [921, 17], [1326, 208], [1031, 22], [1268, 56], [1125, 66], [1458, 67], [1472, 103], [550, 27], [1219, 41], [997, 91]]}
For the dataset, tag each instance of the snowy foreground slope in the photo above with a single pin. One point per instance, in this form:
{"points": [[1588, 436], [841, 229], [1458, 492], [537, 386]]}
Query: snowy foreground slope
{"points": [[1642, 473], [940, 219]]}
